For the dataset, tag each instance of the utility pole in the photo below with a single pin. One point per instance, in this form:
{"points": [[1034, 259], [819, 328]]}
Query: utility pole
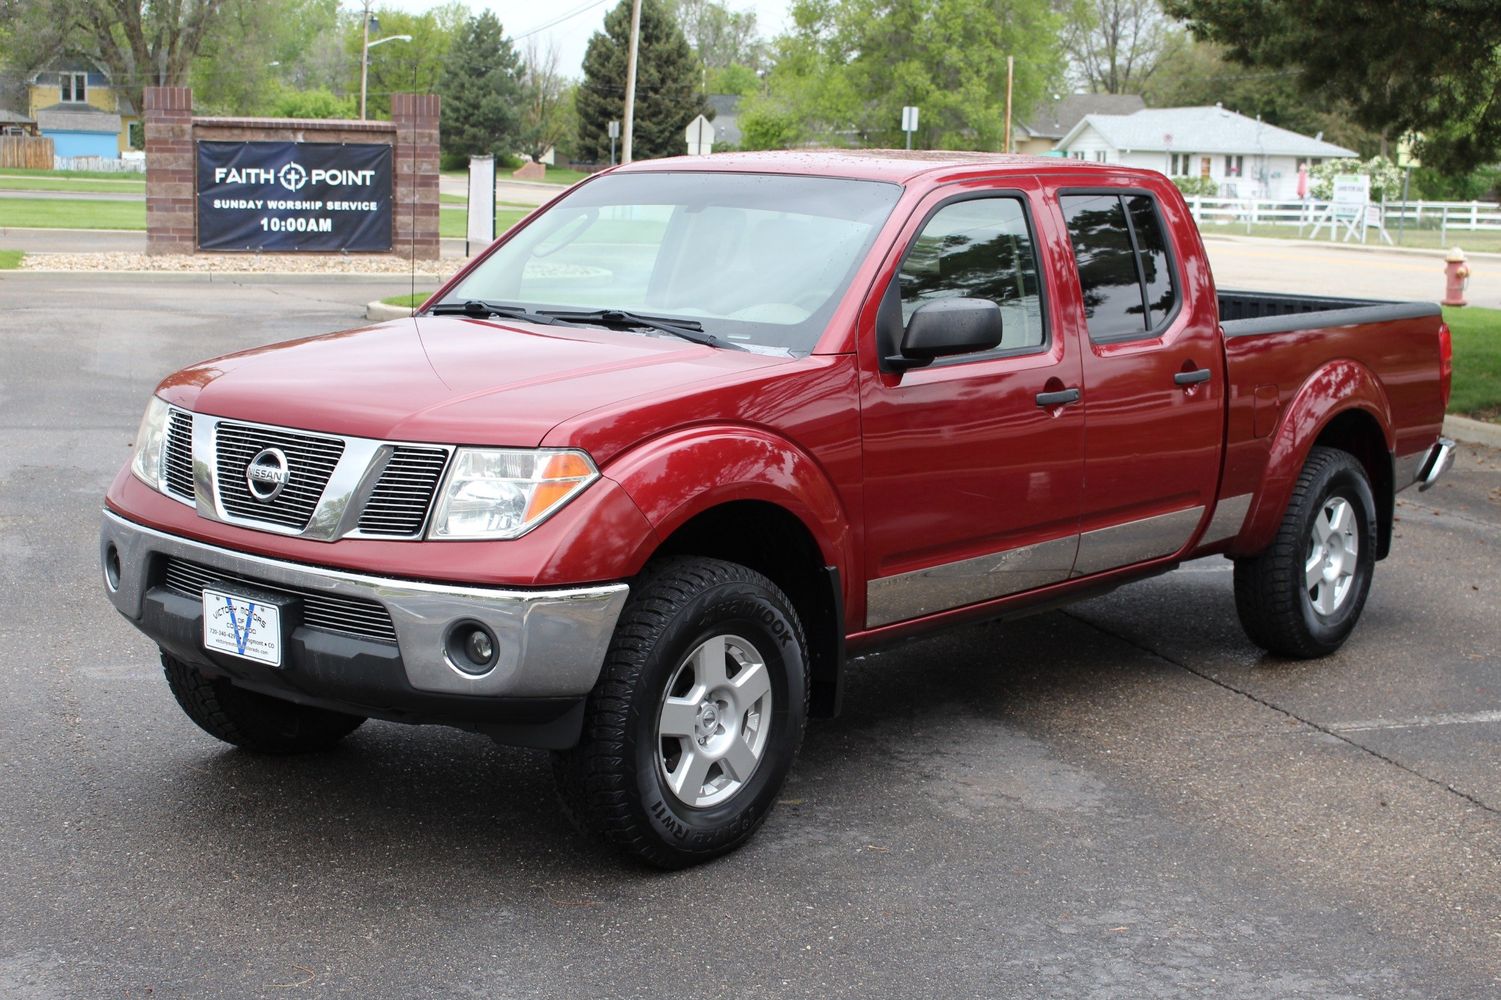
{"points": [[1010, 68], [365, 59], [630, 82]]}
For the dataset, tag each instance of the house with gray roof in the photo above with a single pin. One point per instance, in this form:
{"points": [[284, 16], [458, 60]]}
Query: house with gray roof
{"points": [[1245, 157], [1051, 120]]}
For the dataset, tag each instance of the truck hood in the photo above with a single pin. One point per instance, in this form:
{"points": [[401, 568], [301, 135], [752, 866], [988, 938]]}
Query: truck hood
{"points": [[450, 380]]}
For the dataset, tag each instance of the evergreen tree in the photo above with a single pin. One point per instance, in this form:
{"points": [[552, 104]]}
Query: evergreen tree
{"points": [[667, 85], [481, 91]]}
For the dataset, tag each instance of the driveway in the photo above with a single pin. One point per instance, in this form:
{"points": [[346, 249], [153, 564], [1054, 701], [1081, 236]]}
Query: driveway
{"points": [[1122, 799]]}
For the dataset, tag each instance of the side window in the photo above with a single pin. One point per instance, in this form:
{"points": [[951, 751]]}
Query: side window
{"points": [[1125, 272], [981, 248], [1156, 265]]}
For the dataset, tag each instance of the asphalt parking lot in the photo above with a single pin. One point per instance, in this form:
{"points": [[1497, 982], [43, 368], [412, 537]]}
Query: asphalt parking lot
{"points": [[1123, 799]]}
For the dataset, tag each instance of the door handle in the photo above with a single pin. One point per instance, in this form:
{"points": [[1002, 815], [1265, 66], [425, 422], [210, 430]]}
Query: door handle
{"points": [[1062, 397], [1192, 378]]}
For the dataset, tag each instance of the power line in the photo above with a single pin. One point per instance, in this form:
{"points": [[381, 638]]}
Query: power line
{"points": [[590, 5]]}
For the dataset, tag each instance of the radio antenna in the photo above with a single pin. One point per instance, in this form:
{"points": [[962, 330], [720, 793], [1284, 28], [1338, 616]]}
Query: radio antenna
{"points": [[413, 223]]}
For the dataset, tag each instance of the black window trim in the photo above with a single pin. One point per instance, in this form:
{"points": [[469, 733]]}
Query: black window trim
{"points": [[1016, 194], [1174, 274]]}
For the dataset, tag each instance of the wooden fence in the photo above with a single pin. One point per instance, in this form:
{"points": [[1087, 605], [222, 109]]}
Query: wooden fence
{"points": [[26, 151]]}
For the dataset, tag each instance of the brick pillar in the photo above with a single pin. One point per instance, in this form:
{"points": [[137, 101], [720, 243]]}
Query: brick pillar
{"points": [[415, 202], [169, 170]]}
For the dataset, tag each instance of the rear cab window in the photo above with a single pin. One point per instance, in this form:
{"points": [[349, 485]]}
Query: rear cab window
{"points": [[1126, 272]]}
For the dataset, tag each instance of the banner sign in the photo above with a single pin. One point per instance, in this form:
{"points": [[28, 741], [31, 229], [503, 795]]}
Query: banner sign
{"points": [[285, 196]]}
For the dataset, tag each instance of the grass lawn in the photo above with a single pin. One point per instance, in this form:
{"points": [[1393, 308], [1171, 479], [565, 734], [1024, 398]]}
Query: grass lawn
{"points": [[451, 223], [409, 301], [85, 175], [60, 213], [62, 182], [10, 259], [1477, 362], [555, 175]]}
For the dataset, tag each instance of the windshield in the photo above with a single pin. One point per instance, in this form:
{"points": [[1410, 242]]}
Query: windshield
{"points": [[756, 259]]}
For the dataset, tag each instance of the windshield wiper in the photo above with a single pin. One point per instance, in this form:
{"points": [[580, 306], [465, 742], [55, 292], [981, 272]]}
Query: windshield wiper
{"points": [[687, 329], [480, 309]]}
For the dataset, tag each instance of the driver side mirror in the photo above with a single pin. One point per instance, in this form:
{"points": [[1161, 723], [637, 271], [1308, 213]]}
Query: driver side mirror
{"points": [[946, 327]]}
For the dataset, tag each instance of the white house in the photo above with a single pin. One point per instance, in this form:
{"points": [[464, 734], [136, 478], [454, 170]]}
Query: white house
{"points": [[1245, 157]]}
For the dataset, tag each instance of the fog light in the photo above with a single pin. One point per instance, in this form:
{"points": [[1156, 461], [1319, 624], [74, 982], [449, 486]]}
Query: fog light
{"points": [[472, 648], [112, 567], [479, 647]]}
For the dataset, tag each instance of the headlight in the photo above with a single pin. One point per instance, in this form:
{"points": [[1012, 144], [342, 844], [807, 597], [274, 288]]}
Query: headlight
{"points": [[494, 493], [151, 438]]}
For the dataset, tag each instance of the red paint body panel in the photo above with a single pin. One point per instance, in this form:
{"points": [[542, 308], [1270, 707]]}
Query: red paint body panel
{"points": [[889, 474]]}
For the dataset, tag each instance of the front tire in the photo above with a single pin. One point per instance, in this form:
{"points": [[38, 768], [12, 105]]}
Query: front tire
{"points": [[699, 710], [252, 721], [1302, 597]]}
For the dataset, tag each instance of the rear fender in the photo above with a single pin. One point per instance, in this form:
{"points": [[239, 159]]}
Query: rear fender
{"points": [[1335, 388]]}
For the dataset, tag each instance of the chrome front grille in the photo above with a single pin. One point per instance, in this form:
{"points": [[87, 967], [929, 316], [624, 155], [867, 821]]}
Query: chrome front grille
{"points": [[177, 463], [325, 612], [399, 504], [310, 460]]}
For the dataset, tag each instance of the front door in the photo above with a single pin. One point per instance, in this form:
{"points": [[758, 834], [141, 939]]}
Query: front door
{"points": [[972, 485]]}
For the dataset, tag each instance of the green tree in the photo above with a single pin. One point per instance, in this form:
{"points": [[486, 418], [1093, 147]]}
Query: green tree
{"points": [[1115, 46], [546, 103], [668, 78], [255, 46], [719, 36], [1197, 73], [311, 104], [140, 43], [846, 69], [1425, 66], [481, 91], [414, 67]]}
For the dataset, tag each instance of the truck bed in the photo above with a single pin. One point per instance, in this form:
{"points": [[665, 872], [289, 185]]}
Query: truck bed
{"points": [[1244, 314]]}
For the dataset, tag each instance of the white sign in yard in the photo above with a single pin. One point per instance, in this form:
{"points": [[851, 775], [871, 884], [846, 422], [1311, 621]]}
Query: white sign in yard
{"points": [[242, 627], [1352, 192], [479, 232], [700, 136]]}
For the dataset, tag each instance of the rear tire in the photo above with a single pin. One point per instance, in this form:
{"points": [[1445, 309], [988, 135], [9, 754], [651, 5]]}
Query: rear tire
{"points": [[1302, 597], [699, 710], [251, 721]]}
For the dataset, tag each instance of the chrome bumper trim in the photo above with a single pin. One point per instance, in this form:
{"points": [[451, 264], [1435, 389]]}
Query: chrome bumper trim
{"points": [[1440, 460], [552, 642]]}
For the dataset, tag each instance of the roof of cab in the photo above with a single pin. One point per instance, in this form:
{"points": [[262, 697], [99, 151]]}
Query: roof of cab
{"points": [[898, 166]]}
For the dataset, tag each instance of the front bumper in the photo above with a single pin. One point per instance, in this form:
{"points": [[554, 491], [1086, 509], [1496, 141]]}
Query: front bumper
{"points": [[550, 643]]}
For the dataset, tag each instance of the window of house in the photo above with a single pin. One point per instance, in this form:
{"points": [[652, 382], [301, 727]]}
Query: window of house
{"points": [[1100, 155], [1235, 166], [75, 87], [1125, 271], [981, 248], [1182, 165]]}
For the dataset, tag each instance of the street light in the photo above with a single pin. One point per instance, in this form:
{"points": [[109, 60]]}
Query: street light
{"points": [[365, 59]]}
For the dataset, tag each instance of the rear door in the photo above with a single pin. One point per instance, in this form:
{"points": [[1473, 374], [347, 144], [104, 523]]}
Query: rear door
{"points": [[1154, 381], [972, 486]]}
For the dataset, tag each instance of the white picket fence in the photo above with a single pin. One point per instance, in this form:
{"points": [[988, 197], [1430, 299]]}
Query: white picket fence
{"points": [[1458, 216], [133, 162]]}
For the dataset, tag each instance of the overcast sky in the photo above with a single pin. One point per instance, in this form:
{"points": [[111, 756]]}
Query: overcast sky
{"points": [[571, 34]]}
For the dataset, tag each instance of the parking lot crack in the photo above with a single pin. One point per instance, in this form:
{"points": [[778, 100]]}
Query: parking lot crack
{"points": [[1288, 713]]}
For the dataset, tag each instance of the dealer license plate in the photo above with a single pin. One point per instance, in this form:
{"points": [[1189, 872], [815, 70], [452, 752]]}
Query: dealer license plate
{"points": [[242, 626]]}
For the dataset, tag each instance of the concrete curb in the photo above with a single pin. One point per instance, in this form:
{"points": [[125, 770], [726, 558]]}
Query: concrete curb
{"points": [[378, 311], [1470, 431]]}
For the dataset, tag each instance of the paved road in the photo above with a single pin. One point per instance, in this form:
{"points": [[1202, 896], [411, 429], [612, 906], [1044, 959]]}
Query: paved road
{"points": [[1124, 799], [77, 195], [114, 241]]}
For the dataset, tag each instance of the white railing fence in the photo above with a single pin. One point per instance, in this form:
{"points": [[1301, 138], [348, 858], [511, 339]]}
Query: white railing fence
{"points": [[1456, 216]]}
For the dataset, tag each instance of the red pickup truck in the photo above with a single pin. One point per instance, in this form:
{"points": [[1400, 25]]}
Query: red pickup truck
{"points": [[635, 483]]}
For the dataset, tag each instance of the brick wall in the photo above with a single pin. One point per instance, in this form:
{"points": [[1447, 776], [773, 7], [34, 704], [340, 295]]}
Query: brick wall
{"points": [[171, 195]]}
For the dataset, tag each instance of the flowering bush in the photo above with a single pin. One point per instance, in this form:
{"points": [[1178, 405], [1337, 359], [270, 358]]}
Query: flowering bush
{"points": [[1386, 177]]}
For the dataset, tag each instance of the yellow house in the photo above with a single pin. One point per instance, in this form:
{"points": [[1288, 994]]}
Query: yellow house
{"points": [[76, 107]]}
